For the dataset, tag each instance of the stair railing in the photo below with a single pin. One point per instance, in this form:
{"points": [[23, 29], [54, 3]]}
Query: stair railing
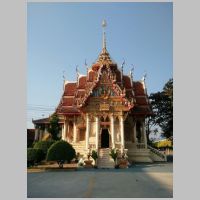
{"points": [[158, 153]]}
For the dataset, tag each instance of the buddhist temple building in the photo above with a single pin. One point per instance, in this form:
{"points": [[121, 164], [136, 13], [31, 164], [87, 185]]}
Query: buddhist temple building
{"points": [[102, 110]]}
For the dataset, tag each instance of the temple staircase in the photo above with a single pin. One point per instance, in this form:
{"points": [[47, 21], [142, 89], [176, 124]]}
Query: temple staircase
{"points": [[104, 159], [79, 147], [157, 155]]}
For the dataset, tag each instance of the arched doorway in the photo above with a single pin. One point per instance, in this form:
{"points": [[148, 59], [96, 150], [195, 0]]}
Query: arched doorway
{"points": [[104, 138]]}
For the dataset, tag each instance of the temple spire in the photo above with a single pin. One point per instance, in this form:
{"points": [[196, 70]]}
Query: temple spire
{"points": [[104, 56], [104, 24]]}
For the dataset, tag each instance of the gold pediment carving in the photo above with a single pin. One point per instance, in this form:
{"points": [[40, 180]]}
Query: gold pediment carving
{"points": [[104, 107]]}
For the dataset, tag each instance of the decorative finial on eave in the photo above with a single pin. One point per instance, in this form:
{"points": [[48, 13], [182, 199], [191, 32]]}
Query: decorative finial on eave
{"points": [[143, 81], [63, 80], [131, 71], [122, 69], [104, 24], [144, 76], [131, 74], [63, 75], [85, 63], [77, 73]]}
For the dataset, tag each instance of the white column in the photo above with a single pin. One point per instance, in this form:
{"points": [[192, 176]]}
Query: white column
{"points": [[122, 131], [112, 131], [144, 133], [36, 134], [87, 132], [74, 132], [64, 130], [97, 132], [40, 134], [46, 129], [135, 136]]}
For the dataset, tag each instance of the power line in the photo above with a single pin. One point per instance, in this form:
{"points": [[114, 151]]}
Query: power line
{"points": [[36, 105]]}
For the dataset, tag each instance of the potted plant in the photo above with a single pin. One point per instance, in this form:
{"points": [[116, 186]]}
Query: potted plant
{"points": [[88, 162], [124, 162], [95, 156], [114, 155]]}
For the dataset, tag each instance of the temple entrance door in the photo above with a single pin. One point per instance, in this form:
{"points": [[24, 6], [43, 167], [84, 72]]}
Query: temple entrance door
{"points": [[104, 138]]}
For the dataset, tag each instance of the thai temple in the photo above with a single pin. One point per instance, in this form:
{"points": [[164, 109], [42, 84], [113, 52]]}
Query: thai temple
{"points": [[102, 110]]}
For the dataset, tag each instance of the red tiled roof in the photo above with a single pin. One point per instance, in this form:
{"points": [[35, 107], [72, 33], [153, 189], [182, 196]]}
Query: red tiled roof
{"points": [[70, 88], [68, 105], [138, 88], [142, 110], [44, 121], [68, 101], [127, 82], [80, 93], [82, 82], [141, 101], [91, 76], [69, 110], [118, 75], [41, 121]]}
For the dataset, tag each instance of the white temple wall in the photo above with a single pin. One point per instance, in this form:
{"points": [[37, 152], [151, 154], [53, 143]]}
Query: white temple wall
{"points": [[92, 129]]}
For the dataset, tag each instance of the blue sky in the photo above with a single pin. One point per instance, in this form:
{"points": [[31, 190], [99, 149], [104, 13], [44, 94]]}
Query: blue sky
{"points": [[62, 35]]}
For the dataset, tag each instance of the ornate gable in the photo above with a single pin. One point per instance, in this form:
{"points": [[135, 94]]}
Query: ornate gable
{"points": [[105, 87]]}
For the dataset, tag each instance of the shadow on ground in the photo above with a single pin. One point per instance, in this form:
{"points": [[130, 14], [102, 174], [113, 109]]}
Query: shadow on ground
{"points": [[138, 181]]}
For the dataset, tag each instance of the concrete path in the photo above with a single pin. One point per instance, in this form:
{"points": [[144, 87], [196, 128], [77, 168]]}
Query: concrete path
{"points": [[139, 181]]}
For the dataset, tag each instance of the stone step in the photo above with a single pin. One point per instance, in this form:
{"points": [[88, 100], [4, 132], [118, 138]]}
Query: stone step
{"points": [[105, 164], [104, 160]]}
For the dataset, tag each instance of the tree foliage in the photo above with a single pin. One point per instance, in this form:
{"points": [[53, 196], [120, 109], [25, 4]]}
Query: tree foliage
{"points": [[61, 151], [162, 106], [163, 144], [43, 145], [54, 127], [34, 156]]}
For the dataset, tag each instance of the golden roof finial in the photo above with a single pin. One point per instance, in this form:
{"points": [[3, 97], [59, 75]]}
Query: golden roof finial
{"points": [[104, 24]]}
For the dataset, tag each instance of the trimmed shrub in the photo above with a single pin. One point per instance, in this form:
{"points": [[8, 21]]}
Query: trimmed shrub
{"points": [[43, 145], [34, 156], [39, 155], [61, 151]]}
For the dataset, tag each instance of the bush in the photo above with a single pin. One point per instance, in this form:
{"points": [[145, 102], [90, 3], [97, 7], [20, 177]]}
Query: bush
{"points": [[43, 145], [61, 151], [34, 156], [39, 155]]}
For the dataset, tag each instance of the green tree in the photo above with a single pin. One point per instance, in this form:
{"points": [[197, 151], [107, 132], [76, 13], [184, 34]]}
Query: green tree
{"points": [[54, 127], [34, 156], [162, 106], [43, 145], [61, 151]]}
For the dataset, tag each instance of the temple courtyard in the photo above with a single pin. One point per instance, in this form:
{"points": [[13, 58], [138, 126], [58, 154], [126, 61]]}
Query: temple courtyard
{"points": [[139, 181]]}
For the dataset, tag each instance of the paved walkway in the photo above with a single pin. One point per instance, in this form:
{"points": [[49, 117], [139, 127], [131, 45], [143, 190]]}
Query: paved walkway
{"points": [[139, 181]]}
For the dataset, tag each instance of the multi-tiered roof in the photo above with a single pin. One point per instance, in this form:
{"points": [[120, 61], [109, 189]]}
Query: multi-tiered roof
{"points": [[132, 93], [76, 94]]}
